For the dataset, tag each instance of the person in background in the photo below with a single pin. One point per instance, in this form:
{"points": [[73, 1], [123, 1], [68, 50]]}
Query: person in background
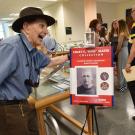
{"points": [[96, 27], [131, 58], [50, 43], [87, 86], [113, 37], [103, 36], [122, 53], [113, 40], [20, 65]]}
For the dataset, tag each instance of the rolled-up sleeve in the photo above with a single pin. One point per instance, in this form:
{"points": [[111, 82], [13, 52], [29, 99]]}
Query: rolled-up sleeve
{"points": [[41, 60], [8, 61]]}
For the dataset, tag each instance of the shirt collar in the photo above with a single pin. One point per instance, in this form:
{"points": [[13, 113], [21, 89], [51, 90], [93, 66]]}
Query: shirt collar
{"points": [[27, 43]]}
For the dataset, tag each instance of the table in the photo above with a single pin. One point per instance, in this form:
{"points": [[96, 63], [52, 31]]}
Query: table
{"points": [[45, 100]]}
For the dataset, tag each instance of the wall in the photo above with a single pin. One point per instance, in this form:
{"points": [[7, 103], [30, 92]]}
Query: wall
{"points": [[123, 6], [71, 13], [68, 14], [90, 12], [57, 30], [108, 12], [74, 17], [111, 11]]}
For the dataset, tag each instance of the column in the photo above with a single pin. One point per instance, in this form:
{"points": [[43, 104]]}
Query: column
{"points": [[90, 12]]}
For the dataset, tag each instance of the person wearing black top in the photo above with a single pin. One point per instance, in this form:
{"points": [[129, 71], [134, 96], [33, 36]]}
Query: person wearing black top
{"points": [[131, 58]]}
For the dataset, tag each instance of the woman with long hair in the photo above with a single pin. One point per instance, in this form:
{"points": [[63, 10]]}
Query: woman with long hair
{"points": [[122, 52], [113, 37], [95, 26]]}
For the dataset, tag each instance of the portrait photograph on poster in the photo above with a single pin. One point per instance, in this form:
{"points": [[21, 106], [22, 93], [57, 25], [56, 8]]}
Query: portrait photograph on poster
{"points": [[89, 39], [86, 80]]}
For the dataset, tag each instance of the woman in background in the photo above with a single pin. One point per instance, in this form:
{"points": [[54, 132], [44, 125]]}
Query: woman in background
{"points": [[122, 53], [113, 37], [96, 27], [103, 36]]}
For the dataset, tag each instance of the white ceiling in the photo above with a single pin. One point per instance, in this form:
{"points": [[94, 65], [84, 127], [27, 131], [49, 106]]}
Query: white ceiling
{"points": [[112, 1], [14, 6]]}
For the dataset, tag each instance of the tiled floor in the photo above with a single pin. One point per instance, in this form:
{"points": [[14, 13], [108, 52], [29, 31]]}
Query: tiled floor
{"points": [[111, 121]]}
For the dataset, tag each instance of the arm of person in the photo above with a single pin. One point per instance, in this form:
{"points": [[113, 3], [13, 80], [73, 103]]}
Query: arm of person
{"points": [[131, 57], [8, 61], [45, 61], [120, 43], [57, 60]]}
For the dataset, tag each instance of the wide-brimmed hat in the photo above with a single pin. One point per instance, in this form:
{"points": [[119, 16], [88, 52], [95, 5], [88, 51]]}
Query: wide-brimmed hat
{"points": [[28, 14]]}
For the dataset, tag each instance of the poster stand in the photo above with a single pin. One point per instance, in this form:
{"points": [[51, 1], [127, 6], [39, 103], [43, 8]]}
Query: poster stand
{"points": [[90, 109], [94, 117]]}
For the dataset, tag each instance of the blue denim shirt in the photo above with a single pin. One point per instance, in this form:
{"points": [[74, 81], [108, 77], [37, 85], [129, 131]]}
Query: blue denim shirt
{"points": [[18, 61], [50, 43]]}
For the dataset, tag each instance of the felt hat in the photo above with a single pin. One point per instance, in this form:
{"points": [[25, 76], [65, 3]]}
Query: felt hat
{"points": [[28, 14]]}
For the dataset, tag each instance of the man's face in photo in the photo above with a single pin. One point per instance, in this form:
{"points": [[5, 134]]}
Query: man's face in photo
{"points": [[87, 79]]}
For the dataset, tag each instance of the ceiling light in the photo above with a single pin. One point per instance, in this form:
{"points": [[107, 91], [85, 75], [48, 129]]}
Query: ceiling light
{"points": [[7, 19], [24, 7], [14, 14], [49, 0]]}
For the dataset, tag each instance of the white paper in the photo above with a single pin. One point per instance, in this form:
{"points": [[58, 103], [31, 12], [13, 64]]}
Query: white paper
{"points": [[129, 76]]}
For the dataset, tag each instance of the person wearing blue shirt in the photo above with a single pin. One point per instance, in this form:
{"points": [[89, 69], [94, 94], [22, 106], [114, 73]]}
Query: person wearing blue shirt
{"points": [[20, 65], [50, 43], [131, 58]]}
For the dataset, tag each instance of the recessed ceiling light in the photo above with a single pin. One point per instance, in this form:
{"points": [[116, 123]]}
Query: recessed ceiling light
{"points": [[49, 0], [14, 14], [7, 19], [23, 7]]}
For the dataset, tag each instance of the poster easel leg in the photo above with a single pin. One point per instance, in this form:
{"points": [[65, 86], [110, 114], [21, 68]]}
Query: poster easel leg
{"points": [[94, 117], [89, 121], [91, 118]]}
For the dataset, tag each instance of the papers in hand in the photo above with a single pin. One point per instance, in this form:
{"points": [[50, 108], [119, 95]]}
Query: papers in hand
{"points": [[129, 76]]}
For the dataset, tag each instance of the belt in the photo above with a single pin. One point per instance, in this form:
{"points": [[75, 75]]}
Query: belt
{"points": [[12, 102]]}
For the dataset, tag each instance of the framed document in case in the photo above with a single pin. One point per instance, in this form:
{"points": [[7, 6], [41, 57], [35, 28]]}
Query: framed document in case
{"points": [[89, 39]]}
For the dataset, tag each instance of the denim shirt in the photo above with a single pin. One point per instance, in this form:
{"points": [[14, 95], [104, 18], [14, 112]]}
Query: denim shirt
{"points": [[50, 43], [19, 61]]}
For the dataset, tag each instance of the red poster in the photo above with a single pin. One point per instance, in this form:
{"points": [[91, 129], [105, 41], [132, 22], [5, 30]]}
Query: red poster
{"points": [[91, 76]]}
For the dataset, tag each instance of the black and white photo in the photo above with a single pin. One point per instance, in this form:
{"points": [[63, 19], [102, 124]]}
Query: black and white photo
{"points": [[86, 80]]}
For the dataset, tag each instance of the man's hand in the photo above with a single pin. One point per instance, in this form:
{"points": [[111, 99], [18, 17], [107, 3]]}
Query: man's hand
{"points": [[128, 68]]}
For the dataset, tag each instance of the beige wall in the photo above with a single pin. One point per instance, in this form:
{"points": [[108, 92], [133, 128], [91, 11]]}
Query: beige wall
{"points": [[123, 6], [57, 30], [108, 11], [111, 11], [68, 14], [71, 14], [90, 12], [74, 17]]}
